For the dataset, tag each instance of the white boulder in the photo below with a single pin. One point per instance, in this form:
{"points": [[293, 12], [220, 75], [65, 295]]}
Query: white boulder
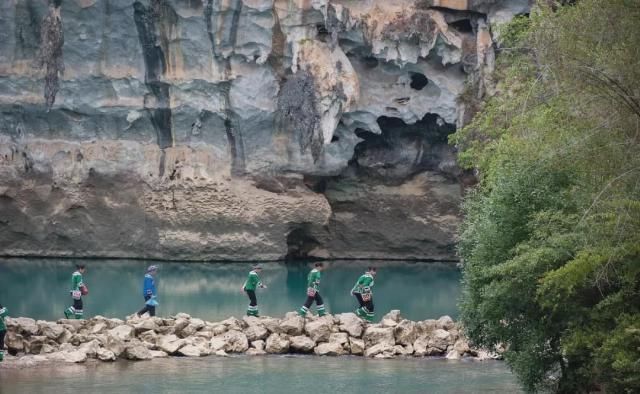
{"points": [[319, 330], [351, 324], [236, 341], [277, 344], [375, 335], [302, 343], [329, 349], [123, 332]]}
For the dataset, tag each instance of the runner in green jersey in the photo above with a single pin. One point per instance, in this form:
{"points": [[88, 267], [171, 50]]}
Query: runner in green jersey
{"points": [[250, 285], [75, 310], [3, 330], [313, 291], [364, 295]]}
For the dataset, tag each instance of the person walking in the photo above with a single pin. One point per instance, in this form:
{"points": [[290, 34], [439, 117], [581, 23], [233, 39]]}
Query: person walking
{"points": [[364, 295], [313, 291], [250, 285], [78, 289], [149, 292], [3, 330]]}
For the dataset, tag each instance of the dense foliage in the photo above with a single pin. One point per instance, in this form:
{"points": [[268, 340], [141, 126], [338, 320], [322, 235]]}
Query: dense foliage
{"points": [[551, 239]]}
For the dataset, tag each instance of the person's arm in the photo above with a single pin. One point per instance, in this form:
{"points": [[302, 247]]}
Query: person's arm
{"points": [[310, 279], [356, 286], [260, 284], [3, 313]]}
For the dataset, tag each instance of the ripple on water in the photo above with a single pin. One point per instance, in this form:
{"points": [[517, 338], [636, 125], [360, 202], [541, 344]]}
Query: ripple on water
{"points": [[271, 374]]}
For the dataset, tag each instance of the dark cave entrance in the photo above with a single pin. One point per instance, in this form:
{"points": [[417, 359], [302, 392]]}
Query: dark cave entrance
{"points": [[299, 243], [462, 25], [402, 149], [418, 81], [323, 33], [370, 62]]}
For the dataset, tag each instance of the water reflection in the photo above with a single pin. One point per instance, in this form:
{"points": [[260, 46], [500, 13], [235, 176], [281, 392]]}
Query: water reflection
{"points": [[39, 287], [271, 374]]}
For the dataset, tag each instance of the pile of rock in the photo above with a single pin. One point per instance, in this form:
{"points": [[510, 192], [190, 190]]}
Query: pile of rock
{"points": [[143, 339]]}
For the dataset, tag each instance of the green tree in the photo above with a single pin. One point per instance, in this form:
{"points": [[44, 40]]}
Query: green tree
{"points": [[551, 238]]}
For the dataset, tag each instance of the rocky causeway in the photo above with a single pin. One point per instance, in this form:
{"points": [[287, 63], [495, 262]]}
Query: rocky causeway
{"points": [[30, 342]]}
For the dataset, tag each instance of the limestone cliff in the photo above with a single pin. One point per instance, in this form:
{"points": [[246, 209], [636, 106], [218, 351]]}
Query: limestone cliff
{"points": [[237, 129]]}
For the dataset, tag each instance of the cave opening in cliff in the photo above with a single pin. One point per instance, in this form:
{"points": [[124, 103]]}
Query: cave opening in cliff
{"points": [[323, 33], [418, 81], [462, 25], [370, 62], [299, 243], [431, 127], [318, 184], [402, 149]]}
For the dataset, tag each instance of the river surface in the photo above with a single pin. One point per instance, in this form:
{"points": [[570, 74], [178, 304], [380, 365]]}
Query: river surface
{"points": [[39, 288], [271, 374]]}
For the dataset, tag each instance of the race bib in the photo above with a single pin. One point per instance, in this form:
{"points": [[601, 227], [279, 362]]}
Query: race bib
{"points": [[311, 292], [366, 297], [76, 294]]}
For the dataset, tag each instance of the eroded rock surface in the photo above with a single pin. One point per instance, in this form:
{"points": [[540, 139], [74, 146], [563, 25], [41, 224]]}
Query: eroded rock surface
{"points": [[238, 129]]}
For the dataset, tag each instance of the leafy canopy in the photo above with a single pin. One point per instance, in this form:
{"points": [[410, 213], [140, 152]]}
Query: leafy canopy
{"points": [[551, 238]]}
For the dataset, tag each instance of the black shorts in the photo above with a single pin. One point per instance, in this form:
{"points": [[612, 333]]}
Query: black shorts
{"points": [[367, 304], [253, 301], [317, 298]]}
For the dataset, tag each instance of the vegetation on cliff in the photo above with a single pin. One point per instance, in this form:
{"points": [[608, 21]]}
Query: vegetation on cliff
{"points": [[551, 239]]}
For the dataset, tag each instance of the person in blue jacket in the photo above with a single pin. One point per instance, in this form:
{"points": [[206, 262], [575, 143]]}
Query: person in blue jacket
{"points": [[149, 292]]}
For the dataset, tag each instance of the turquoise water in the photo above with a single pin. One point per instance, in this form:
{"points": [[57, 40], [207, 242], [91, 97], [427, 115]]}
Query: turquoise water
{"points": [[272, 374], [39, 288]]}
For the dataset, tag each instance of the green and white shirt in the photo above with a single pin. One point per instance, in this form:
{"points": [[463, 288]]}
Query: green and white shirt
{"points": [[364, 284], [76, 282], [313, 279], [3, 313], [253, 281]]}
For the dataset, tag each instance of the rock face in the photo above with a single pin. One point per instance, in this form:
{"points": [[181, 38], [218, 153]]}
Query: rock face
{"points": [[302, 344], [236, 129], [326, 336], [319, 330], [376, 335], [137, 351], [277, 343], [351, 324]]}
